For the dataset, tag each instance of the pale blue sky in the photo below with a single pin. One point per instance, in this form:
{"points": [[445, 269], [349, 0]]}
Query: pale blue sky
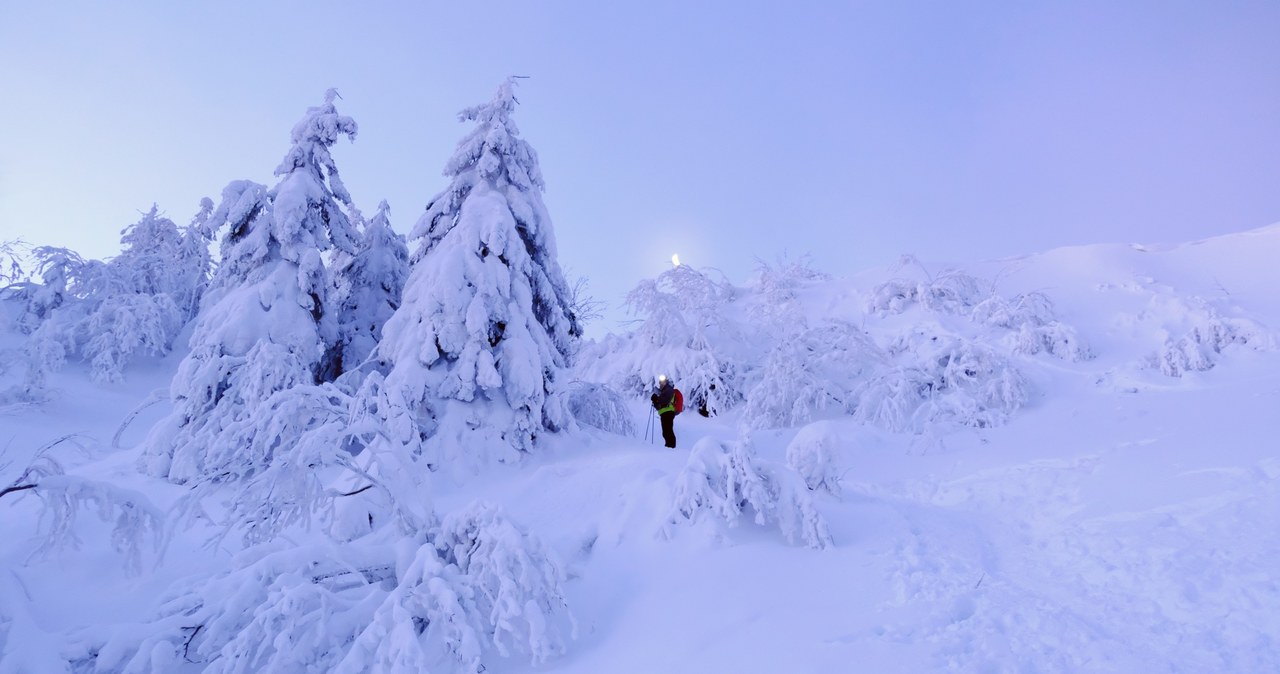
{"points": [[724, 131]]}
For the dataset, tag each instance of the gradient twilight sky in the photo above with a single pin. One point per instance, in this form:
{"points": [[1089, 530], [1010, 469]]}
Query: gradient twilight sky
{"points": [[724, 131]]}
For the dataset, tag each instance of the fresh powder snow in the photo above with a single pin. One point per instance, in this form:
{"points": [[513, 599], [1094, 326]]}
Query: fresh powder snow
{"points": [[328, 454]]}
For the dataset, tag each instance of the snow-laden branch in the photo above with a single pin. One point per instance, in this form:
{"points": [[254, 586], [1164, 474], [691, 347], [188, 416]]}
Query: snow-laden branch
{"points": [[63, 497], [475, 587]]}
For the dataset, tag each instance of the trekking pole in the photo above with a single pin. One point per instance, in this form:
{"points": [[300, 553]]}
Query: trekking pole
{"points": [[648, 434]]}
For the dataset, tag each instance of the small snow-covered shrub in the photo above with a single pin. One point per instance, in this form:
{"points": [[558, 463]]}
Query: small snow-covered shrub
{"points": [[1204, 342], [1030, 316], [812, 454], [134, 519], [514, 583], [808, 372], [1054, 338], [600, 406], [1035, 329], [21, 381], [951, 291], [941, 378], [995, 310], [710, 385], [426, 623], [725, 481], [278, 456]]}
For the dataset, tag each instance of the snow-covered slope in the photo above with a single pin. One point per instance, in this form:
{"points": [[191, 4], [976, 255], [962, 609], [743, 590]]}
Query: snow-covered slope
{"points": [[1119, 518]]}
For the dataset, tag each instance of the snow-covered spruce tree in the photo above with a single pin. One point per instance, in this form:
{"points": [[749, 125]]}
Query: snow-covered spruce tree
{"points": [[264, 325], [367, 289], [479, 346]]}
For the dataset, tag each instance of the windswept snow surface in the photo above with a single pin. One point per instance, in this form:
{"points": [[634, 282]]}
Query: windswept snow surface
{"points": [[1124, 519]]}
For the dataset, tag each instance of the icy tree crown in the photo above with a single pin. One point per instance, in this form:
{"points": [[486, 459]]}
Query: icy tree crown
{"points": [[312, 137], [494, 147], [305, 212], [494, 153]]}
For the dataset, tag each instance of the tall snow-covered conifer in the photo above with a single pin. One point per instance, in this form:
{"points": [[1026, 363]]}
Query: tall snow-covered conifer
{"points": [[367, 288], [480, 344], [264, 325]]}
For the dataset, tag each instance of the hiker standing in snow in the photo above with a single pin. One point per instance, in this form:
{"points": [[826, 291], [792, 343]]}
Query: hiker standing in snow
{"points": [[664, 400]]}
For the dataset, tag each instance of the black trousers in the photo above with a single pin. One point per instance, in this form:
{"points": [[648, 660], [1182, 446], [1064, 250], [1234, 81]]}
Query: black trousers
{"points": [[668, 430]]}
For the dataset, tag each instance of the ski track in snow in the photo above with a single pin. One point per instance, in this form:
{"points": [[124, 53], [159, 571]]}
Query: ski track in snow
{"points": [[1016, 579]]}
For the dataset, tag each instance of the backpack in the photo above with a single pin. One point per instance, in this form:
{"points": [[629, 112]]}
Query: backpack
{"points": [[678, 401]]}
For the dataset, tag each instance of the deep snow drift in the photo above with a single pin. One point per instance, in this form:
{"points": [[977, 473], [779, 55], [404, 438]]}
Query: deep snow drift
{"points": [[1109, 506]]}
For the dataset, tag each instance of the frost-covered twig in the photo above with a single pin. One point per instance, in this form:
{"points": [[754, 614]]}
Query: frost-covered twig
{"points": [[15, 488], [157, 396]]}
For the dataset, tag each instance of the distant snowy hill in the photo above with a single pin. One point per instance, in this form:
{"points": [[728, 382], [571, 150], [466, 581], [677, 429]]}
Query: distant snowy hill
{"points": [[1062, 462]]}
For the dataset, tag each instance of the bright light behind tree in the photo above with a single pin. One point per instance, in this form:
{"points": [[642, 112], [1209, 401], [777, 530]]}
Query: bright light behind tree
{"points": [[675, 259]]}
